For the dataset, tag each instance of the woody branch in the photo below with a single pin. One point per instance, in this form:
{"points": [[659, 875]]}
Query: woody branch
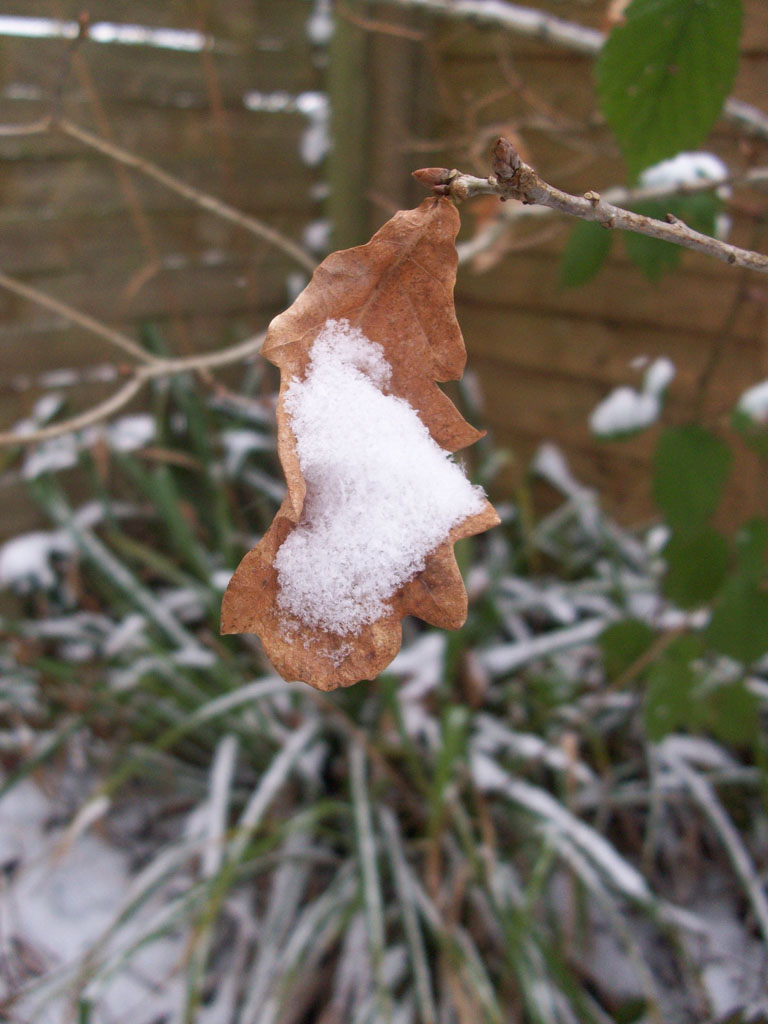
{"points": [[512, 178]]}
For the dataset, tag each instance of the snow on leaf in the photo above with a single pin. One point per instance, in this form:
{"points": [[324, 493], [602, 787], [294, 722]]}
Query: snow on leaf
{"points": [[626, 411], [375, 504]]}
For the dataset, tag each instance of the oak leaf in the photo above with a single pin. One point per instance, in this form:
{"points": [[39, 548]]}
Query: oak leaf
{"points": [[398, 291]]}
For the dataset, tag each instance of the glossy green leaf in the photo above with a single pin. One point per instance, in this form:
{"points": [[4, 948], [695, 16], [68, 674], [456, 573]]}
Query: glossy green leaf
{"points": [[664, 73], [690, 468], [696, 567], [587, 249]]}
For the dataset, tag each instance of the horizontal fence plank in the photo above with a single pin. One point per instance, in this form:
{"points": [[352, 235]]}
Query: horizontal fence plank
{"points": [[43, 245], [580, 356], [194, 288], [88, 184], [619, 295], [268, 25], [163, 78]]}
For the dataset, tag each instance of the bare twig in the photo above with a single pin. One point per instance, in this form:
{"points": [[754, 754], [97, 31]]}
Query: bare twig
{"points": [[188, 192], [32, 128], [141, 375], [523, 21], [618, 195], [95, 414], [88, 323], [65, 66], [514, 179], [547, 28]]}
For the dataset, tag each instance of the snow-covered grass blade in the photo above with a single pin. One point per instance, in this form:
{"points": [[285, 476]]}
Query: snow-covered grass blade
{"points": [[484, 834]]}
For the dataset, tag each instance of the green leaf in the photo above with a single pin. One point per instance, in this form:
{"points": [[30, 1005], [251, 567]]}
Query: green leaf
{"points": [[585, 253], [631, 1011], [732, 713], [669, 700], [696, 567], [739, 623], [664, 73], [751, 545], [622, 643], [651, 255], [690, 468], [754, 432]]}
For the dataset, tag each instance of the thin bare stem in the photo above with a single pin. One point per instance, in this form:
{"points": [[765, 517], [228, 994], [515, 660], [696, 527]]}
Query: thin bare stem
{"points": [[514, 179], [523, 21], [96, 414], [207, 360], [188, 192], [618, 195], [83, 320], [33, 128], [140, 376]]}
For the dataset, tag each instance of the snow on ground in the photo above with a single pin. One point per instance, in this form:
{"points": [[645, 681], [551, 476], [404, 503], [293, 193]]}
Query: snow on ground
{"points": [[58, 898]]}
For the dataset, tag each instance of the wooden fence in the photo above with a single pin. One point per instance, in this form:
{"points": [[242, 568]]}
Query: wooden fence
{"points": [[243, 119]]}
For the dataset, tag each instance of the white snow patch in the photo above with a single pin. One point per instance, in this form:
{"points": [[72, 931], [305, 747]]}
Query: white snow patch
{"points": [[51, 457], [550, 464], [105, 32], [490, 777], [125, 434], [130, 432], [220, 579], [381, 494], [320, 23], [656, 538], [684, 169], [503, 658], [754, 402], [422, 664], [194, 657], [61, 900], [126, 635], [659, 376], [269, 102], [317, 235], [316, 140], [26, 560], [142, 35], [626, 410], [47, 407], [492, 736], [313, 105], [239, 443]]}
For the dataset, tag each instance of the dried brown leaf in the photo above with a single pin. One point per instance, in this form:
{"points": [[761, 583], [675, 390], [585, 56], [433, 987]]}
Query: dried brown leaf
{"points": [[398, 290]]}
